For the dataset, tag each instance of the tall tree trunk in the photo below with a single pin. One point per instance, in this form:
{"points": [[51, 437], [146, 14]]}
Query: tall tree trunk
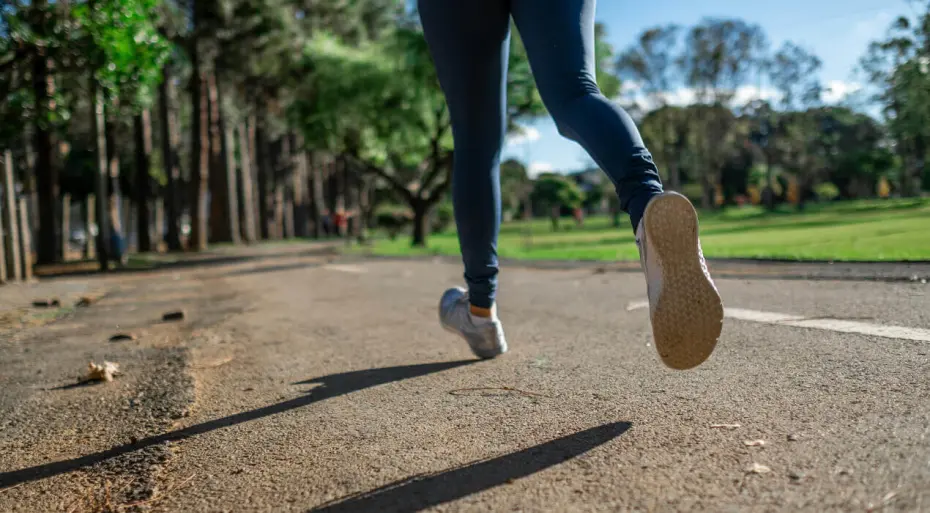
{"points": [[142, 126], [247, 210], [261, 154], [45, 171], [8, 215], [65, 242], [90, 242], [200, 155], [364, 207], [118, 235], [420, 222], [300, 189], [318, 200], [223, 221], [283, 171], [170, 139], [98, 122]]}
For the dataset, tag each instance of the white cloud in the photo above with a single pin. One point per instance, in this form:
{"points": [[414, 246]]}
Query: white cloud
{"points": [[525, 135], [537, 168], [686, 96], [836, 91]]}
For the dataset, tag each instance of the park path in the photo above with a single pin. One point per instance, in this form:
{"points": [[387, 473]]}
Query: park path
{"points": [[307, 384]]}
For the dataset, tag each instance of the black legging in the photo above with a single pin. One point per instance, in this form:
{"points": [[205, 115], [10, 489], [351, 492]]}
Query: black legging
{"points": [[469, 42]]}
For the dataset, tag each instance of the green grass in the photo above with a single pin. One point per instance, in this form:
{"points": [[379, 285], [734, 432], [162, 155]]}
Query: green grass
{"points": [[872, 230]]}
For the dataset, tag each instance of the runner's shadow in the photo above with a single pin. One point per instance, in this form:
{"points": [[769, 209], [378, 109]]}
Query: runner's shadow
{"points": [[331, 386], [425, 491]]}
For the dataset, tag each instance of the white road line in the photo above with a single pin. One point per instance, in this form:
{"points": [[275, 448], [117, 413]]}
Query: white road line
{"points": [[346, 268], [798, 321]]}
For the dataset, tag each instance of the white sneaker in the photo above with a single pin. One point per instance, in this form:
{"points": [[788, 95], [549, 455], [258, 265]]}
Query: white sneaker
{"points": [[485, 336], [684, 305]]}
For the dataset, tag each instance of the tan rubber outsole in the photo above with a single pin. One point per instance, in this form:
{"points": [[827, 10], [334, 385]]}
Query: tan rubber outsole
{"points": [[688, 316]]}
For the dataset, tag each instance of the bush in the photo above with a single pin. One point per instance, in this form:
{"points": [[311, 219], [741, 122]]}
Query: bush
{"points": [[443, 217], [393, 221], [827, 191]]}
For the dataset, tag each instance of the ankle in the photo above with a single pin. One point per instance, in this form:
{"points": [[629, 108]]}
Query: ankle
{"points": [[477, 311]]}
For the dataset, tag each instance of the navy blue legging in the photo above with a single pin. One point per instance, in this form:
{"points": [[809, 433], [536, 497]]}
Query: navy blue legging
{"points": [[469, 43]]}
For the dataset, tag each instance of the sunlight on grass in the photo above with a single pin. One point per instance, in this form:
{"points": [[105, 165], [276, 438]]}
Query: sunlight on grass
{"points": [[884, 230]]}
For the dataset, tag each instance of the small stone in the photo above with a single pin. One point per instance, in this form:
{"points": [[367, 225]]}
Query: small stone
{"points": [[122, 337], [757, 468], [792, 438], [173, 316], [795, 476]]}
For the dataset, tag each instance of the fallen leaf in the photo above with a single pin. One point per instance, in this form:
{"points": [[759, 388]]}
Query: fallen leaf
{"points": [[173, 316], [755, 443], [756, 468], [87, 301], [724, 426], [104, 372]]}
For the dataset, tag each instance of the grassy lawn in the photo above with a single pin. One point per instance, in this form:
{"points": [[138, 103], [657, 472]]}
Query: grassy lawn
{"points": [[895, 229]]}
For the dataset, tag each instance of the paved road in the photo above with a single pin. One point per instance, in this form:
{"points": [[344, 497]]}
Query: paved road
{"points": [[301, 384]]}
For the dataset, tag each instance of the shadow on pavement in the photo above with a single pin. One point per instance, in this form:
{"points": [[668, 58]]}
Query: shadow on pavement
{"points": [[272, 269], [179, 261], [425, 491], [331, 386]]}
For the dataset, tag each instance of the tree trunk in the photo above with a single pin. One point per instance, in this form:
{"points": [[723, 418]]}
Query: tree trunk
{"points": [[300, 189], [25, 238], [364, 207], [282, 171], [118, 235], [45, 171], [707, 199], [420, 223], [90, 242], [142, 126], [98, 122], [554, 215], [247, 218], [200, 147], [65, 242], [223, 217], [169, 143], [9, 221], [261, 154], [318, 200]]}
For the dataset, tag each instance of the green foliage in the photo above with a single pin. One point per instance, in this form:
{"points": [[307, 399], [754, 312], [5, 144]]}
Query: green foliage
{"points": [[126, 50], [556, 191], [827, 191], [443, 217]]}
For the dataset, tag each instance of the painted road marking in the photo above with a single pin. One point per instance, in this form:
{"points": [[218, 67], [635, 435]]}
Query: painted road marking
{"points": [[354, 269], [799, 321]]}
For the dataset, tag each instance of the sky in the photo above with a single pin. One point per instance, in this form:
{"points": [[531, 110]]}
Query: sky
{"points": [[837, 31]]}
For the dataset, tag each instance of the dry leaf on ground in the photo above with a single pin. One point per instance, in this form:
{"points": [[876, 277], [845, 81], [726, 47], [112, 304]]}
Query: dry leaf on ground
{"points": [[104, 372]]}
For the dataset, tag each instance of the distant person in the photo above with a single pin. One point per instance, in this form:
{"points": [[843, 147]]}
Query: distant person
{"points": [[469, 42]]}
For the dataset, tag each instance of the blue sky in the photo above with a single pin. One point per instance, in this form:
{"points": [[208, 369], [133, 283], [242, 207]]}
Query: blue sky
{"points": [[838, 31]]}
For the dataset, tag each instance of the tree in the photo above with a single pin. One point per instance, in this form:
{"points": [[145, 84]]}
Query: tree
{"points": [[719, 56], [554, 192], [899, 67], [650, 64], [516, 186]]}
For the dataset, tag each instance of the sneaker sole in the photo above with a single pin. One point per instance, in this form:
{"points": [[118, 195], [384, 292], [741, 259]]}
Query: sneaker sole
{"points": [[688, 316]]}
